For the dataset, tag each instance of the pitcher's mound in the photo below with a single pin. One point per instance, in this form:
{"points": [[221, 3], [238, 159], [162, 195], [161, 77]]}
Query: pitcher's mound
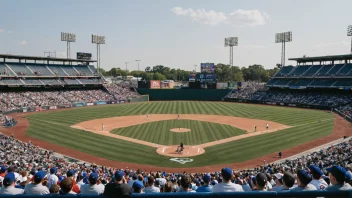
{"points": [[180, 130], [188, 151]]}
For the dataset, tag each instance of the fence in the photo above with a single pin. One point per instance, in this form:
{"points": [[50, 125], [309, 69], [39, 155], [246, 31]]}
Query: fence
{"points": [[305, 194]]}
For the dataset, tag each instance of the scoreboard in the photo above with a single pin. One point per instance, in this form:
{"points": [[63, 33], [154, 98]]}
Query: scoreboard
{"points": [[84, 56], [207, 67]]}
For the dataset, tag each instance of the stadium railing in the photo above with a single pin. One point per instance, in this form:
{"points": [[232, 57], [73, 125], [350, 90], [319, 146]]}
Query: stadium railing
{"points": [[305, 194]]}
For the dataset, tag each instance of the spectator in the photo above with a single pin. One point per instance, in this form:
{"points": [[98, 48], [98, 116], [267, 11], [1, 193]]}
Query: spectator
{"points": [[206, 187], [317, 180], [278, 182], [9, 185], [226, 185], [303, 180], [288, 181], [167, 187], [37, 188], [151, 188], [337, 176], [186, 184], [66, 187], [52, 178], [70, 174], [92, 188], [118, 187], [261, 182], [137, 187], [54, 189], [134, 179]]}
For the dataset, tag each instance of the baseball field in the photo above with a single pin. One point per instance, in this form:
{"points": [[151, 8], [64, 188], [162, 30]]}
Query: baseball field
{"points": [[215, 134]]}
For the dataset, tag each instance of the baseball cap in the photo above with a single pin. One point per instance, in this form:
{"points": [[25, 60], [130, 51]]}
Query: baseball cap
{"points": [[261, 179], [119, 175], [39, 175], [226, 173], [206, 178], [3, 169], [61, 178], [52, 170], [338, 172], [70, 173], [93, 177], [304, 177], [9, 179], [315, 169], [214, 182], [137, 185], [279, 175]]}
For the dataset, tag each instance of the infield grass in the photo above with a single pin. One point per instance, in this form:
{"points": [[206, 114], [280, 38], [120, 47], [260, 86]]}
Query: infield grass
{"points": [[54, 127]]}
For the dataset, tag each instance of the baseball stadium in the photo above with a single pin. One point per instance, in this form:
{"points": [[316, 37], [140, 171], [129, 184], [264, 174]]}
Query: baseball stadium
{"points": [[70, 127]]}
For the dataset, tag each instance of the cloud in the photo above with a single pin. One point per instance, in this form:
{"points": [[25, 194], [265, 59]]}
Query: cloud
{"points": [[236, 18], [23, 42]]}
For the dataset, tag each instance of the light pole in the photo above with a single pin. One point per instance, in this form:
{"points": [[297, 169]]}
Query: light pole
{"points": [[283, 38], [349, 33], [138, 63], [126, 65], [99, 40], [69, 38], [230, 42]]}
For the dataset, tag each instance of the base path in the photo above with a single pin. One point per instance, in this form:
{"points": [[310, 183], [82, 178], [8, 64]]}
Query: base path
{"points": [[341, 128]]}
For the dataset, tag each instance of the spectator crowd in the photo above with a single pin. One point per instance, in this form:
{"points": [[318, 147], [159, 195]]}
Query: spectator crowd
{"points": [[255, 91], [28, 169], [16, 100]]}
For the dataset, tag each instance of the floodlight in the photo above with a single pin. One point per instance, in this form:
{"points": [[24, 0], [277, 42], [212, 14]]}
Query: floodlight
{"points": [[283, 37], [69, 37], [231, 41], [97, 39], [349, 30]]}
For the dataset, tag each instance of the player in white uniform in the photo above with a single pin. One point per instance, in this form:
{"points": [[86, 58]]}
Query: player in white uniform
{"points": [[267, 126], [102, 127]]}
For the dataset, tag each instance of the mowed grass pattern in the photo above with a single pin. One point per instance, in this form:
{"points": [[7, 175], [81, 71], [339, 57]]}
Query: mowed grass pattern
{"points": [[159, 132], [54, 127]]}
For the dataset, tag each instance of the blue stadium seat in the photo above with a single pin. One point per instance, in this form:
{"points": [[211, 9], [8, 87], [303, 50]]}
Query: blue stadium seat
{"points": [[40, 69], [20, 69]]}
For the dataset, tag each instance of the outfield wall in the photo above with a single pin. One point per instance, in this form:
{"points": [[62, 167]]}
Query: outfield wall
{"points": [[184, 94]]}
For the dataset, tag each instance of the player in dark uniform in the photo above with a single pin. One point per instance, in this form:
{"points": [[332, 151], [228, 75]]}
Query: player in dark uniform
{"points": [[180, 148]]}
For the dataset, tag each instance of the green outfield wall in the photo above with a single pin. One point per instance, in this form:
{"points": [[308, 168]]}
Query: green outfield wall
{"points": [[184, 94]]}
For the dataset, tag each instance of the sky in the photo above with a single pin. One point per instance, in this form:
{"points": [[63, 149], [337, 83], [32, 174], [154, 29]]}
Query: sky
{"points": [[177, 33]]}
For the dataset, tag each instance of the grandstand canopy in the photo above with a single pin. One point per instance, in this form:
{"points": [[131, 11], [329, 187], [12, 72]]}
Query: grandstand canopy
{"points": [[38, 58], [323, 58]]}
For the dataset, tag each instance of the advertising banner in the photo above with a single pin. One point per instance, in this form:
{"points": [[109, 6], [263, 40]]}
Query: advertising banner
{"points": [[222, 85], [52, 107], [89, 104], [192, 77], [155, 84], [101, 103], [79, 104], [205, 77]]}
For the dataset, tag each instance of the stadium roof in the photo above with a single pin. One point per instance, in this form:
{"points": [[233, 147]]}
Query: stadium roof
{"points": [[9, 56], [323, 58]]}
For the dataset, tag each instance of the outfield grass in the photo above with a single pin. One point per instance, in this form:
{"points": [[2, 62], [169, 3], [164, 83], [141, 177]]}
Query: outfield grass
{"points": [[55, 127], [159, 132]]}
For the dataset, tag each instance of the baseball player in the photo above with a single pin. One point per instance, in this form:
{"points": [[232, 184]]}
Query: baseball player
{"points": [[267, 126], [102, 127], [178, 116], [255, 128]]}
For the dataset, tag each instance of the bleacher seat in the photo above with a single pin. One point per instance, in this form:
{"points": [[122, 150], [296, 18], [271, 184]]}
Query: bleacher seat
{"points": [[87, 81], [32, 82], [69, 70], [51, 82], [299, 70], [83, 70], [284, 71], [312, 70], [56, 69], [324, 70], [345, 71], [11, 82], [334, 69], [72, 82], [20, 69], [4, 71], [40, 69]]}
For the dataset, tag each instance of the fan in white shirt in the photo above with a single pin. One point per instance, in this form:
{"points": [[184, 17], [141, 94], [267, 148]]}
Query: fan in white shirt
{"points": [[52, 178], [92, 188], [227, 185], [317, 180]]}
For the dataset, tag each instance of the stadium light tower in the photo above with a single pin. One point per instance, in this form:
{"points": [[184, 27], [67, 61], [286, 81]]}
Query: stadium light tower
{"points": [[138, 63], [126, 65], [98, 39], [349, 33], [283, 38], [68, 37], [230, 42]]}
